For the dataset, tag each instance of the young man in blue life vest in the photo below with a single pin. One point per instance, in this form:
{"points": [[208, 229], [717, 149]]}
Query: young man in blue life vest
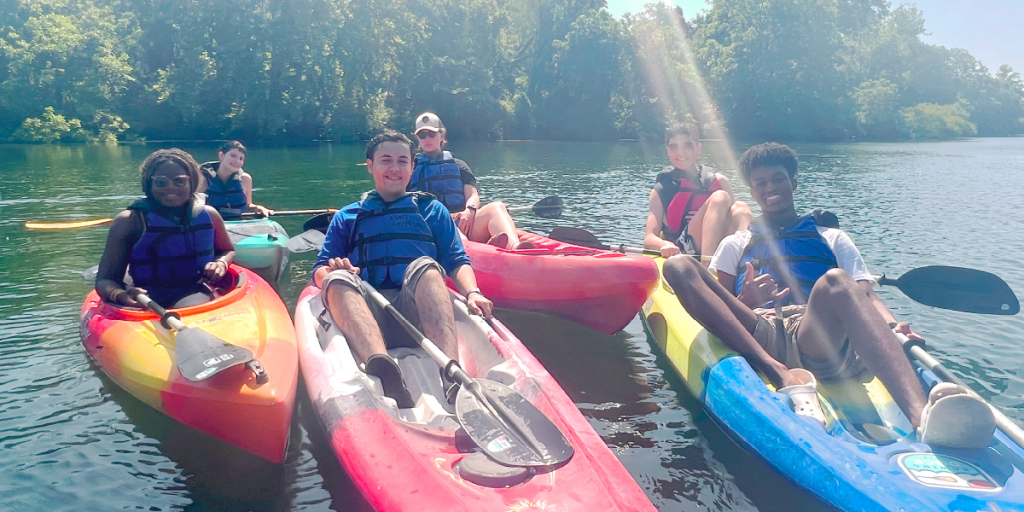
{"points": [[402, 243], [691, 208], [229, 188], [834, 325]]}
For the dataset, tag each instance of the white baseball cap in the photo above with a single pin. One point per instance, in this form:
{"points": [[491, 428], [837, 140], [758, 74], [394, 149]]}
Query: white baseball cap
{"points": [[428, 121]]}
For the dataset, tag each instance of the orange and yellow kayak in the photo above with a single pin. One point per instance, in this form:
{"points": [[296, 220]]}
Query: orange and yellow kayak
{"points": [[137, 352]]}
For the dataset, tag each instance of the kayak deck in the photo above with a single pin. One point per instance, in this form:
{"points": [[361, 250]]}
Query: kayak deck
{"points": [[602, 290], [866, 458], [412, 459]]}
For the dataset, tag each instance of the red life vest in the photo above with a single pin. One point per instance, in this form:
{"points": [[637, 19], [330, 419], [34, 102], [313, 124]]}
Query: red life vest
{"points": [[680, 196]]}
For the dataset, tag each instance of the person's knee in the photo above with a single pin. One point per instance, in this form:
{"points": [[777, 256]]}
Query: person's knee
{"points": [[337, 283], [719, 199], [741, 209], [835, 283], [681, 271]]}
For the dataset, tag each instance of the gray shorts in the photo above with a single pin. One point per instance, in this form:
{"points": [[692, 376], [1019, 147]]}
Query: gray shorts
{"points": [[404, 300], [845, 364]]}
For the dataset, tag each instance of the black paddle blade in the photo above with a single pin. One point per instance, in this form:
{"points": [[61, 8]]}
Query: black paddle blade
{"points": [[520, 435], [548, 208], [201, 355], [959, 289], [310, 240], [577, 236], [319, 222]]}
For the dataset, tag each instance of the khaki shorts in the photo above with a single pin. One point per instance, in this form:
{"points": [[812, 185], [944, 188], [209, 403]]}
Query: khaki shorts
{"points": [[403, 299], [846, 364]]}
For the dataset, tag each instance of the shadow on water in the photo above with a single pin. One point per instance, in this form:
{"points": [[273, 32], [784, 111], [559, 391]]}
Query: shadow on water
{"points": [[218, 477], [616, 380]]}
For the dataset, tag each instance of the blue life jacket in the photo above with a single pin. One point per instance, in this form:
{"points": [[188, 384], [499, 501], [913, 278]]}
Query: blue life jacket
{"points": [[441, 178], [385, 239], [169, 258], [796, 256], [228, 198]]}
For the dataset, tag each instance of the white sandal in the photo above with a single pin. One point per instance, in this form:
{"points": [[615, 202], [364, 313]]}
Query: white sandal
{"points": [[954, 418], [804, 397]]}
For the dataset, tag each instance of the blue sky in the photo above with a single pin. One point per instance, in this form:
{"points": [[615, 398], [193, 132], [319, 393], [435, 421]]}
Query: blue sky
{"points": [[989, 29]]}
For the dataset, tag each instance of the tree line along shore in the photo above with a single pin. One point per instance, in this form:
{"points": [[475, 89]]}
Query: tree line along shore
{"points": [[302, 70]]}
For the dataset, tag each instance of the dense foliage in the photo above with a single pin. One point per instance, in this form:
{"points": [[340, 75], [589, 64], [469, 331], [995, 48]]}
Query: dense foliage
{"points": [[285, 72]]}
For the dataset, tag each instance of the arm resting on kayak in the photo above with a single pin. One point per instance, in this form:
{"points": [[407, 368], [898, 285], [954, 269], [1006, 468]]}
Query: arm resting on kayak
{"points": [[465, 283], [223, 249], [652, 240], [124, 234]]}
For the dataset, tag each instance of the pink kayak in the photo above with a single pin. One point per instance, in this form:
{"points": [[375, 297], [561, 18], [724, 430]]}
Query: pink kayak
{"points": [[420, 459], [600, 289]]}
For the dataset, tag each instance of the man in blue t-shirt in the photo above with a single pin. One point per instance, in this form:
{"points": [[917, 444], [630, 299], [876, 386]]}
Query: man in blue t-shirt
{"points": [[404, 244]]}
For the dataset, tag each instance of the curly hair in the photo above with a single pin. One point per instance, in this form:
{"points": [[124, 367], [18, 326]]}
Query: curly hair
{"points": [[767, 155], [174, 156], [386, 136]]}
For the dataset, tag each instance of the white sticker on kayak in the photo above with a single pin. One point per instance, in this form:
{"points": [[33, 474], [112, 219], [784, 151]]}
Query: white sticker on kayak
{"points": [[213, 361], [946, 472], [499, 444]]}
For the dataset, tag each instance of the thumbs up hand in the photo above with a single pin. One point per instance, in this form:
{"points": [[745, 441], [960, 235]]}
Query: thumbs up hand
{"points": [[759, 289]]}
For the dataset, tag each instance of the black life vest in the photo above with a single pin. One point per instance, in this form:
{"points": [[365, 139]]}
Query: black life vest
{"points": [[385, 239], [795, 256], [169, 258], [228, 198], [680, 196], [441, 178]]}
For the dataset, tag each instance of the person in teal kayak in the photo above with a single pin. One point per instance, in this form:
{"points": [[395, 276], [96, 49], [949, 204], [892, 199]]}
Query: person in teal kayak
{"points": [[833, 324], [692, 207], [404, 244], [453, 183], [228, 188], [168, 242]]}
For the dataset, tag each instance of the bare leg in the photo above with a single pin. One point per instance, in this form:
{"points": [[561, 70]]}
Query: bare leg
{"points": [[741, 217], [353, 317], [838, 309], [711, 223], [493, 219], [722, 314], [437, 313]]}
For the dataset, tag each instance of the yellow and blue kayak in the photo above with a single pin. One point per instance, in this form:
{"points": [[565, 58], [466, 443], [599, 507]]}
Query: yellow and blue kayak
{"points": [[866, 458]]}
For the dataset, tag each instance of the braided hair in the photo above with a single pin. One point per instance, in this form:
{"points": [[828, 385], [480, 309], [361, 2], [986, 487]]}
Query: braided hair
{"points": [[162, 156]]}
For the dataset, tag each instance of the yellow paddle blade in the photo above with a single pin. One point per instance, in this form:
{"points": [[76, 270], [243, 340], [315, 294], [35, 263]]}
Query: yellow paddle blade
{"points": [[66, 225]]}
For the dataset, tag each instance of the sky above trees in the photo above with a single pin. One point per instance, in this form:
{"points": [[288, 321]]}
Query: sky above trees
{"points": [[989, 29]]}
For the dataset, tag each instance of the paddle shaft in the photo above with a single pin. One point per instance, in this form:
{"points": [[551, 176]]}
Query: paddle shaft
{"points": [[451, 368], [1009, 428], [100, 222]]}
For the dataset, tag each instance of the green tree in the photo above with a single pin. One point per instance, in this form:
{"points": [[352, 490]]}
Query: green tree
{"points": [[878, 110], [931, 121]]}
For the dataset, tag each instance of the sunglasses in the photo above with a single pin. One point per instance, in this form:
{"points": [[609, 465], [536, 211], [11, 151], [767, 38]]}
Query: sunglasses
{"points": [[164, 181], [426, 134]]}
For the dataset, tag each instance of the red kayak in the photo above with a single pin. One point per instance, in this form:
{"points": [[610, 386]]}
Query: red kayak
{"points": [[420, 459], [602, 290]]}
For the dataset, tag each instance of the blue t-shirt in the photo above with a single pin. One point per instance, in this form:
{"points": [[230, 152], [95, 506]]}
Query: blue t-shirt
{"points": [[450, 252]]}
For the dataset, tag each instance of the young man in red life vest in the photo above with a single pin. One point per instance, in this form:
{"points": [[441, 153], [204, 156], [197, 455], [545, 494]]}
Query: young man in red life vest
{"points": [[692, 208]]}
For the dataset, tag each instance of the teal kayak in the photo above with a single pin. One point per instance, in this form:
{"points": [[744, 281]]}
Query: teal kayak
{"points": [[260, 246]]}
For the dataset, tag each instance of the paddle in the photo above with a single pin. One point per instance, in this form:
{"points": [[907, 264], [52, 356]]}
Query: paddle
{"points": [[578, 236], [97, 222], [548, 208], [508, 428], [199, 354], [958, 289]]}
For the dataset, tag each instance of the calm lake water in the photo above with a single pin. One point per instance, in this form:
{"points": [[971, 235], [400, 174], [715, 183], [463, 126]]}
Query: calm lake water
{"points": [[71, 440]]}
